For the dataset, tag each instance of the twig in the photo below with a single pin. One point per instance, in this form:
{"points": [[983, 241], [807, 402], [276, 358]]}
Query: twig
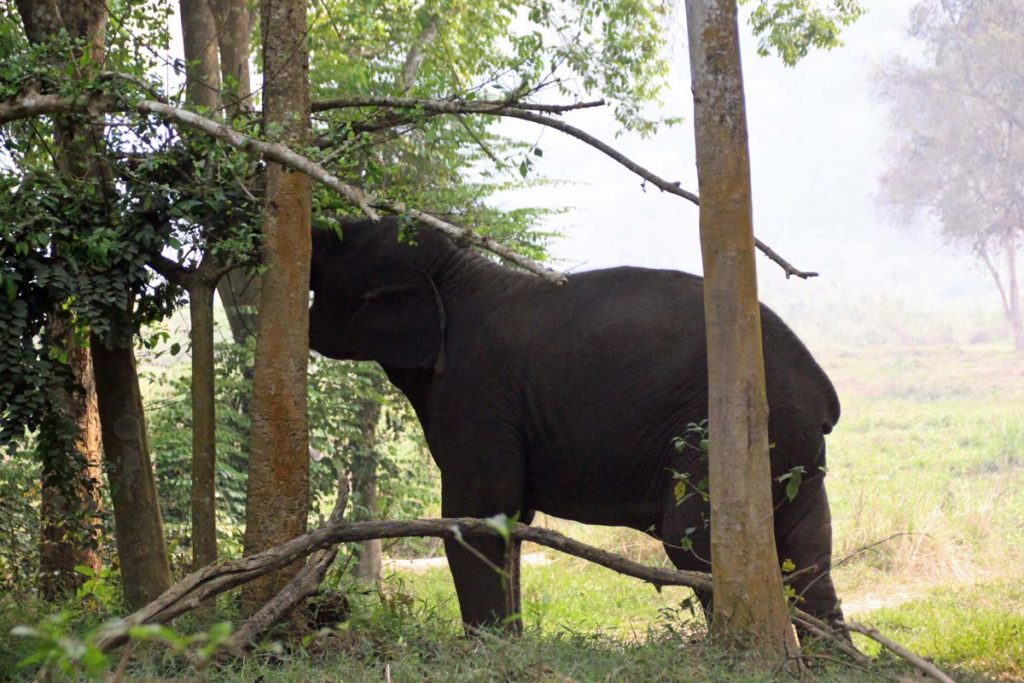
{"points": [[921, 663], [821, 630], [843, 662]]}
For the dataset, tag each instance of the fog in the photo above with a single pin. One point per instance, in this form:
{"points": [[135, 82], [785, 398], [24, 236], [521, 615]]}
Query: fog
{"points": [[817, 134]]}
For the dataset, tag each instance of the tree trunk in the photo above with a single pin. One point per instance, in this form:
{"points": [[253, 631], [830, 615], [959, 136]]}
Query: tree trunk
{"points": [[1014, 313], [69, 504], [239, 290], [364, 485], [145, 571], [234, 26], [749, 606], [278, 491], [204, 424], [199, 39], [70, 501]]}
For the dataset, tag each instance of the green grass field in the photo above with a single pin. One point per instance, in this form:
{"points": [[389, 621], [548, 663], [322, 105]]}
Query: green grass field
{"points": [[926, 479], [929, 454]]}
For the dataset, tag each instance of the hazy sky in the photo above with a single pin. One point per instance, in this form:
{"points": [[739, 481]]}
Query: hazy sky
{"points": [[816, 132]]}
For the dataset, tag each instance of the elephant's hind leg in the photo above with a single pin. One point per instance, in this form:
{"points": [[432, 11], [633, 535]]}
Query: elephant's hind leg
{"points": [[686, 538]]}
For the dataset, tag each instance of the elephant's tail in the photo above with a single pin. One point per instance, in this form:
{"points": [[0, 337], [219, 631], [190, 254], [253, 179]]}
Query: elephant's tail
{"points": [[832, 408]]}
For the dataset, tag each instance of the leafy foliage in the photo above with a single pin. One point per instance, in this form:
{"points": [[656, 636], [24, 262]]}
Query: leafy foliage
{"points": [[791, 28]]}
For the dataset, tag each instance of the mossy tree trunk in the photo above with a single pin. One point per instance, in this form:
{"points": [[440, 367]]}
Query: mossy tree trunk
{"points": [[71, 462], [278, 490], [749, 607]]}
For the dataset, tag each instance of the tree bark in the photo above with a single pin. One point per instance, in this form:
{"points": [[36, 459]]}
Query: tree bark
{"points": [[1014, 313], [204, 424], [199, 39], [749, 606], [239, 290], [70, 504], [278, 490], [234, 26], [145, 569], [364, 485]]}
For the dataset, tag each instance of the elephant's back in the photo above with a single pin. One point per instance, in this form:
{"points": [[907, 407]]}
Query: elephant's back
{"points": [[649, 324]]}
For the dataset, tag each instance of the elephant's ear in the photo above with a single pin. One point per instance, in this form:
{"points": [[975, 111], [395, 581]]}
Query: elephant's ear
{"points": [[400, 323]]}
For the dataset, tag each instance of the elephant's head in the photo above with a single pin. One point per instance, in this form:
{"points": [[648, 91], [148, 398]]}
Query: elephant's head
{"points": [[373, 298]]}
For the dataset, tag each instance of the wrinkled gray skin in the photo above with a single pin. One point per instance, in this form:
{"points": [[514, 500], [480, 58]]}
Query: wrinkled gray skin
{"points": [[565, 399]]}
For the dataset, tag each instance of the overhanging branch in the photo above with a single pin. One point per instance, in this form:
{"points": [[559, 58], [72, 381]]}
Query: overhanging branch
{"points": [[41, 105], [529, 112]]}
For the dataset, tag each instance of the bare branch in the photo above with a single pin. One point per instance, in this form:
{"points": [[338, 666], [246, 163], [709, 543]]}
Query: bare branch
{"points": [[447, 106], [921, 663], [527, 112], [214, 579]]}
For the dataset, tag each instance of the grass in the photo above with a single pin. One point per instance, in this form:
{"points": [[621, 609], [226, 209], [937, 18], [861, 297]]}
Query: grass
{"points": [[929, 453]]}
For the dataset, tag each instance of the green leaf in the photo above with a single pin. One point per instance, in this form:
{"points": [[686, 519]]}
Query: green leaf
{"points": [[502, 524], [85, 570]]}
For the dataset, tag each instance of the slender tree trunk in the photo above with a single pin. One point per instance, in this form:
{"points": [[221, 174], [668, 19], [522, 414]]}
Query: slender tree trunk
{"points": [[1014, 313], [199, 39], [749, 606], [239, 290], [234, 26], [145, 569], [278, 492], [204, 424], [69, 504], [364, 485], [140, 541]]}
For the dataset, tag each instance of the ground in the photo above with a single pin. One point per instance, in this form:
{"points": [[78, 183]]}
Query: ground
{"points": [[926, 478]]}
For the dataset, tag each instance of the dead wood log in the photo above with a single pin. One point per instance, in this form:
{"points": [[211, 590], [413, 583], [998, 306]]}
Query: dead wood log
{"points": [[217, 578]]}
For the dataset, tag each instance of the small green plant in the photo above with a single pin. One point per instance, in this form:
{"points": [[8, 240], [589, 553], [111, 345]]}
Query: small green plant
{"points": [[56, 647], [97, 587], [792, 479]]}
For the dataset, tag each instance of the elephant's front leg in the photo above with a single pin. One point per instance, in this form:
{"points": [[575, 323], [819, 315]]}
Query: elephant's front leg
{"points": [[485, 570]]}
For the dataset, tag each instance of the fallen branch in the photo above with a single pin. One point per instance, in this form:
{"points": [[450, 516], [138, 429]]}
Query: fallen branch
{"points": [[217, 578], [822, 630], [305, 584], [921, 663], [214, 579], [40, 105], [527, 112]]}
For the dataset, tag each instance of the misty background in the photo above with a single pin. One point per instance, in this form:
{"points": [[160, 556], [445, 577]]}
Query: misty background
{"points": [[817, 137]]}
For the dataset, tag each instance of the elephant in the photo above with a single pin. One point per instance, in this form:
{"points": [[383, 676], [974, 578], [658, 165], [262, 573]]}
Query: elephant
{"points": [[579, 400]]}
